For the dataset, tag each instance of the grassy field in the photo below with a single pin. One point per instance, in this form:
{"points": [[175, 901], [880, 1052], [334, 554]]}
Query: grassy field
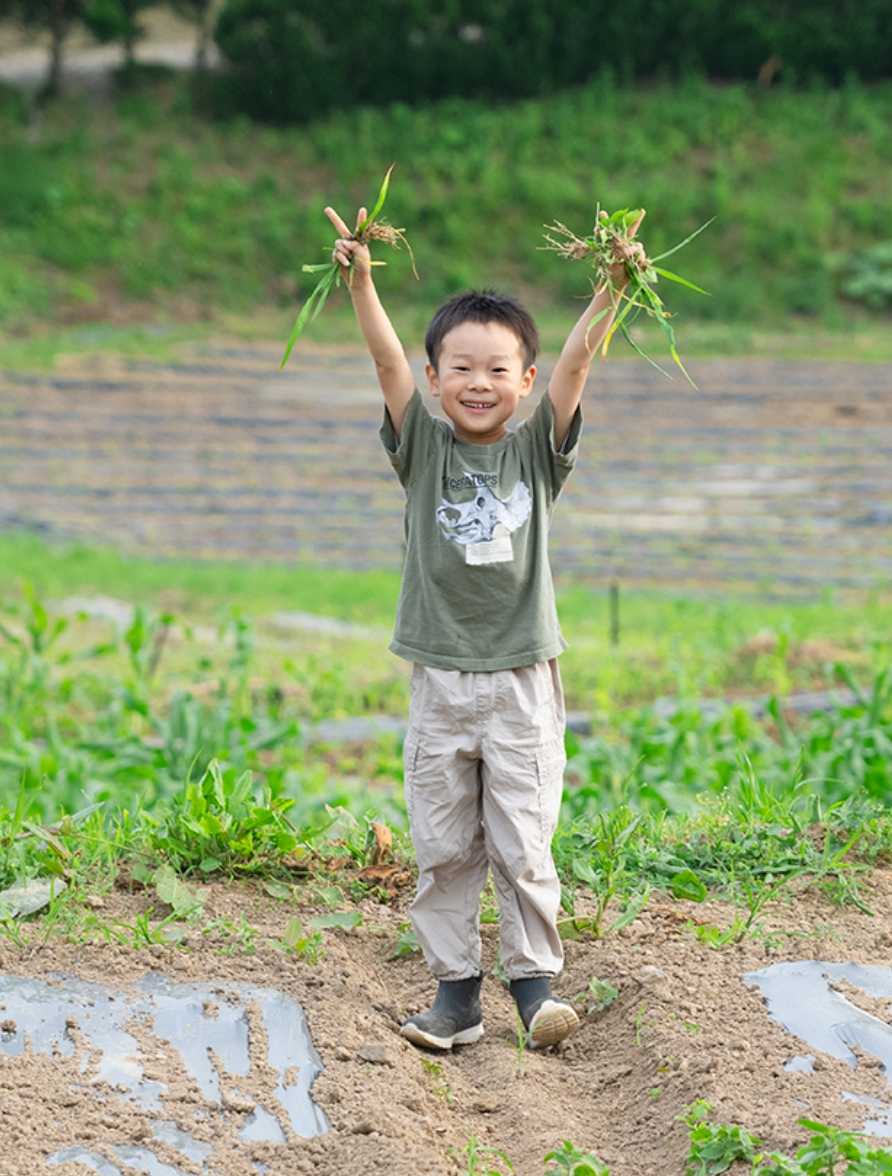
{"points": [[669, 643], [141, 212]]}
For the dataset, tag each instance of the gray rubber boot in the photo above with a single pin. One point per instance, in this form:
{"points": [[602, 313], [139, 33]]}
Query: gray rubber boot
{"points": [[455, 1017], [546, 1018]]}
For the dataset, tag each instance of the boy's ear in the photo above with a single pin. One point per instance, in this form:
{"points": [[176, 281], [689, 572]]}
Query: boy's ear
{"points": [[432, 379], [526, 384]]}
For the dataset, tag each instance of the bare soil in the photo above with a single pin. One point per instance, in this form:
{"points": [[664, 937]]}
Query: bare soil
{"points": [[684, 1026]]}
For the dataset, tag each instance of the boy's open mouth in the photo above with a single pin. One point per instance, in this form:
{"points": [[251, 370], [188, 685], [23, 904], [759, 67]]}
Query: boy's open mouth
{"points": [[478, 405]]}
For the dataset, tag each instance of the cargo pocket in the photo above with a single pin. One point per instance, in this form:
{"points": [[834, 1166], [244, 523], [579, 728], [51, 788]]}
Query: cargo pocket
{"points": [[551, 759], [410, 763]]}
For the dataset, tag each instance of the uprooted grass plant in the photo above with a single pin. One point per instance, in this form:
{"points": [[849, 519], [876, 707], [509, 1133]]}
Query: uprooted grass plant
{"points": [[369, 228], [613, 243]]}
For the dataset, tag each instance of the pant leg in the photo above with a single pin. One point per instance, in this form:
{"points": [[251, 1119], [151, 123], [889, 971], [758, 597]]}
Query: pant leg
{"points": [[522, 778], [443, 800]]}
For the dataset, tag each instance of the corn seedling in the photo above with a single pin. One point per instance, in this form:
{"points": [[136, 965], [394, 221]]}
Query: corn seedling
{"points": [[367, 230], [523, 1040], [481, 1159], [612, 243]]}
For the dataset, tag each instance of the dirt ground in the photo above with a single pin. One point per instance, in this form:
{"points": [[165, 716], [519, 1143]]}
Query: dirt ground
{"points": [[684, 1026]]}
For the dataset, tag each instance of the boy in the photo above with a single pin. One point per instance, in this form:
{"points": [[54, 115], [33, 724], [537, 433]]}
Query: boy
{"points": [[484, 754]]}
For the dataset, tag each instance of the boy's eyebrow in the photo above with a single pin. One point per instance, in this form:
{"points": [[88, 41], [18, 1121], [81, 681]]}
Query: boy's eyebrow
{"points": [[470, 355]]}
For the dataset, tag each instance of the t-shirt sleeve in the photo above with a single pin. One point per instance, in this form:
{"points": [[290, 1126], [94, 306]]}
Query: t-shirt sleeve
{"points": [[408, 451], [558, 463]]}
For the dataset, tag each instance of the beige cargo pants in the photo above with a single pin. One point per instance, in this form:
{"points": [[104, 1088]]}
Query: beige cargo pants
{"points": [[484, 759]]}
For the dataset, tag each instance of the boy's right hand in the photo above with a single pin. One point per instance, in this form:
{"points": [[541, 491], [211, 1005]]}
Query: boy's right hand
{"points": [[348, 250]]}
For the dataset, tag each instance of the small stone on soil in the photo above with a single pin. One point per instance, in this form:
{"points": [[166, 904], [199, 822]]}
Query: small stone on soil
{"points": [[375, 1052]]}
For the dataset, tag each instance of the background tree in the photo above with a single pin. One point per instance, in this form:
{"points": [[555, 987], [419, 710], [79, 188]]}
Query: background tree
{"points": [[294, 60], [117, 20], [199, 13], [57, 17]]}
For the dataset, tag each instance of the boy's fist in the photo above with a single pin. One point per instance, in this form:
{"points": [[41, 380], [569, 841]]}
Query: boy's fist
{"points": [[630, 249], [347, 250]]}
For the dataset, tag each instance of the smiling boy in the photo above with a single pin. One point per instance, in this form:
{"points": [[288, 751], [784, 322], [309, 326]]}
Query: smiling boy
{"points": [[484, 754]]}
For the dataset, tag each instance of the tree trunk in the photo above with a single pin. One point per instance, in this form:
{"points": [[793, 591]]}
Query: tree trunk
{"points": [[58, 31], [204, 37]]}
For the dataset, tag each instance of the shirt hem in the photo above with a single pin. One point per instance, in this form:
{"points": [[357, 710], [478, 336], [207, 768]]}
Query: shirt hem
{"points": [[511, 661]]}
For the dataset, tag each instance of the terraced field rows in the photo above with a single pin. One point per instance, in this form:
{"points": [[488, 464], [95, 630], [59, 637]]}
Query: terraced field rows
{"points": [[775, 474]]}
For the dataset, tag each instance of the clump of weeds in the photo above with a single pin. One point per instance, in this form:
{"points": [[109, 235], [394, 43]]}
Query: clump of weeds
{"points": [[370, 228], [611, 242], [437, 1077], [714, 1147], [830, 1151], [599, 995]]}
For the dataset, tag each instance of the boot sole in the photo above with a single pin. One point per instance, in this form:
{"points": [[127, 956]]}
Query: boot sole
{"points": [[419, 1037], [553, 1022]]}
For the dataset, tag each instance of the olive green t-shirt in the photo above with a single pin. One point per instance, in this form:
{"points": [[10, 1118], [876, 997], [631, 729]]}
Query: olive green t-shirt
{"points": [[476, 590]]}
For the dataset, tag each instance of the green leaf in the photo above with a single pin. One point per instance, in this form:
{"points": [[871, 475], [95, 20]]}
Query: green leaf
{"points": [[344, 919], [687, 885], [675, 356], [681, 244], [406, 944], [681, 281], [293, 933], [174, 891], [584, 872], [628, 338], [277, 889], [379, 203], [313, 305]]}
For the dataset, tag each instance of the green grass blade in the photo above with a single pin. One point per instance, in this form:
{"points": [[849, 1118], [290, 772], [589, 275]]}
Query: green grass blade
{"points": [[379, 203], [594, 322], [681, 281], [619, 323], [682, 244], [628, 338], [313, 305], [674, 355]]}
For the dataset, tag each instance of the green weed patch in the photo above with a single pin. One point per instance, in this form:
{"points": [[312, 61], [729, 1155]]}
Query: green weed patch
{"points": [[139, 748]]}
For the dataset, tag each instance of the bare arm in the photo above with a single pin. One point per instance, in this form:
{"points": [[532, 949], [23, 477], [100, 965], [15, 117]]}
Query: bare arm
{"points": [[584, 341], [392, 367]]}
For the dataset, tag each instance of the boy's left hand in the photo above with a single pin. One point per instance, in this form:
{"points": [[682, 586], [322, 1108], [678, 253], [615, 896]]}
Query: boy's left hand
{"points": [[347, 249], [618, 273]]}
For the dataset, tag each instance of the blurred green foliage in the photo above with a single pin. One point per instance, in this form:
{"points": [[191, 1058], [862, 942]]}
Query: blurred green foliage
{"points": [[147, 202], [295, 59]]}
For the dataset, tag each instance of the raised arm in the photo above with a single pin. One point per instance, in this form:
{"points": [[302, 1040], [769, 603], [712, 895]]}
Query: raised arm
{"points": [[583, 343], [392, 367]]}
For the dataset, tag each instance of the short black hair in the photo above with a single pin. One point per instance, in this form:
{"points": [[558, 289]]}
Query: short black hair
{"points": [[483, 306]]}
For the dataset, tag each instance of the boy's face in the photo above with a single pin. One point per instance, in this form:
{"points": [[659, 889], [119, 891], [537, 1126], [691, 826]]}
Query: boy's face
{"points": [[479, 378]]}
